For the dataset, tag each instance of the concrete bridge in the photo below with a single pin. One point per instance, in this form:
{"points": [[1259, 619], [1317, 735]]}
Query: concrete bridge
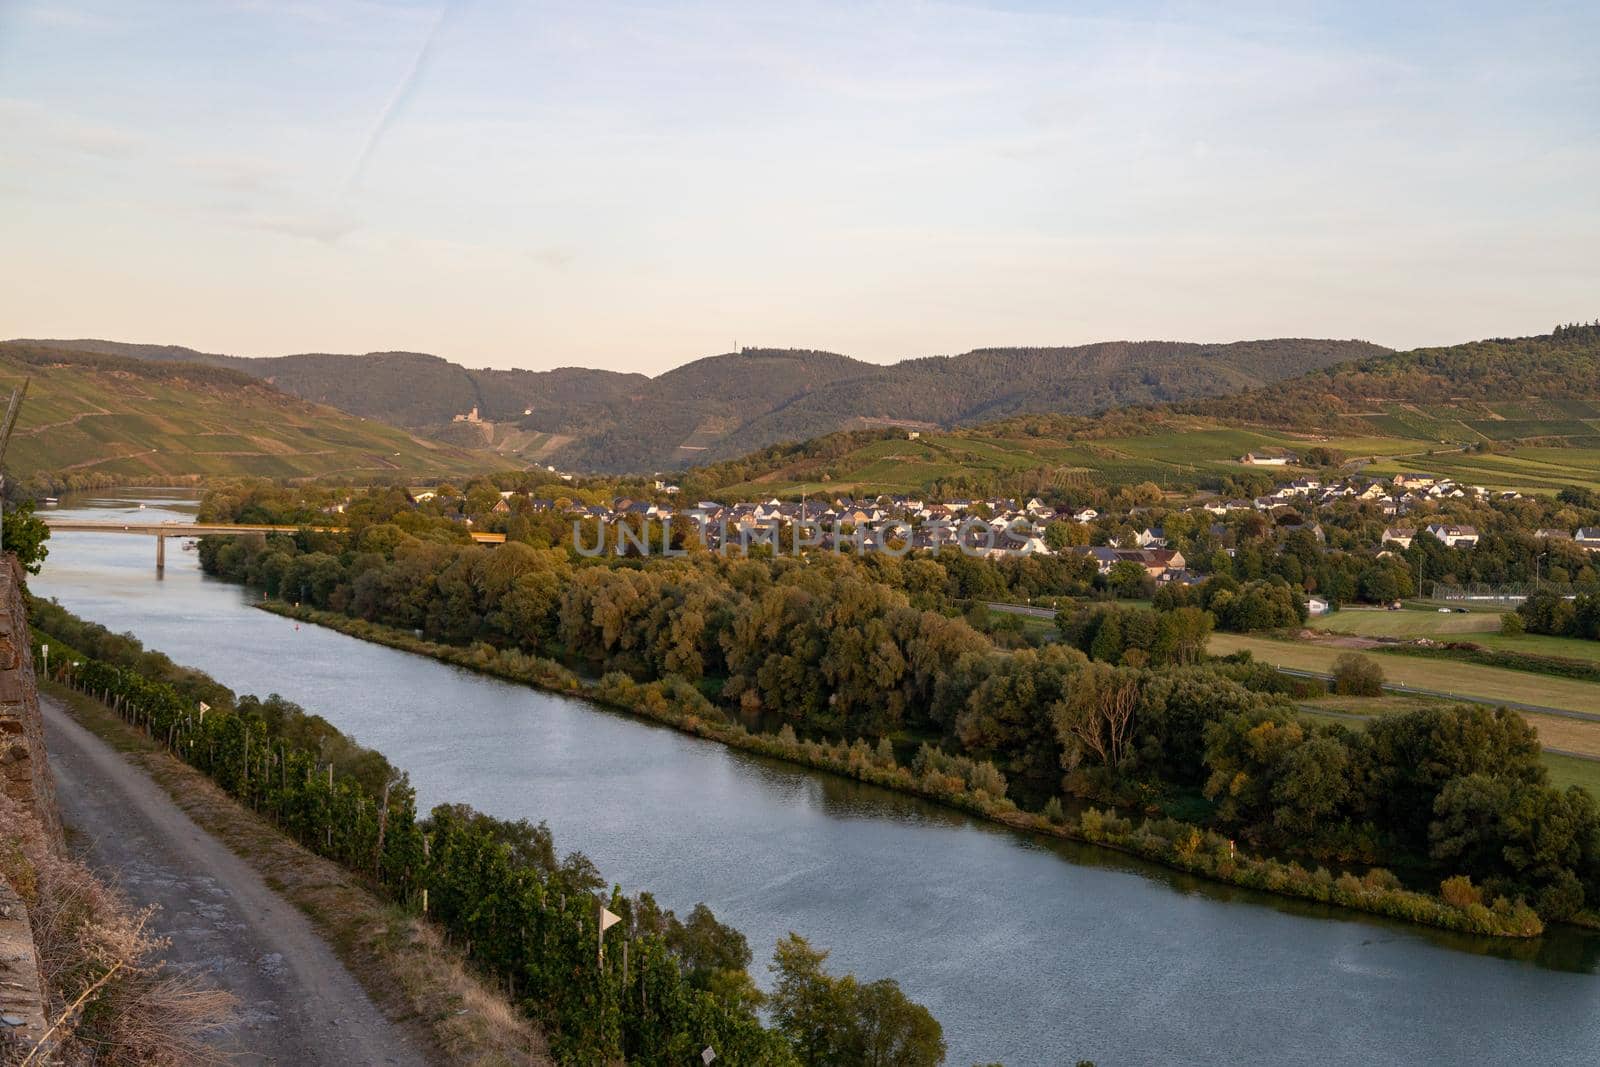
{"points": [[163, 530]]}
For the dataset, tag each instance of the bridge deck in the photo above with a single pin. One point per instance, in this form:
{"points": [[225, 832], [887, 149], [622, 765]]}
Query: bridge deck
{"points": [[201, 529]]}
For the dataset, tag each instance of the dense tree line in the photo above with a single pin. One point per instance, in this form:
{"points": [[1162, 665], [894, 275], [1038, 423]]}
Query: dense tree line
{"points": [[1136, 637], [1464, 785], [1562, 364], [1546, 613], [1244, 607]]}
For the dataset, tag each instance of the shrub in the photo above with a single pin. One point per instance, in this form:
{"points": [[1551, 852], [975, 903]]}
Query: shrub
{"points": [[1459, 892], [985, 778], [1357, 676], [1093, 824]]}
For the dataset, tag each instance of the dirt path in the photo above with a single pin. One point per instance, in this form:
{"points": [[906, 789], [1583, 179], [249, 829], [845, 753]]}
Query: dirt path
{"points": [[298, 1004]]}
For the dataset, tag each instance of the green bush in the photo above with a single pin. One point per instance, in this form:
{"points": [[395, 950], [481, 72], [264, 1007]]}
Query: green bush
{"points": [[1357, 676]]}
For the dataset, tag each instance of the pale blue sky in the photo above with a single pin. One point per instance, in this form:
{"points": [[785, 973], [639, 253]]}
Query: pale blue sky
{"points": [[635, 185]]}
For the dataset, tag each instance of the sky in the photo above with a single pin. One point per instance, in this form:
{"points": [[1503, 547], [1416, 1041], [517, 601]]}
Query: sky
{"points": [[636, 185]]}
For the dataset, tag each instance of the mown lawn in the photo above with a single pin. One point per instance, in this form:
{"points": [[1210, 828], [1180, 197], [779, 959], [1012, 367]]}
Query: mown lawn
{"points": [[1570, 770], [1409, 623]]}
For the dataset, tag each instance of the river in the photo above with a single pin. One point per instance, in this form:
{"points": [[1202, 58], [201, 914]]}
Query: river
{"points": [[1029, 951]]}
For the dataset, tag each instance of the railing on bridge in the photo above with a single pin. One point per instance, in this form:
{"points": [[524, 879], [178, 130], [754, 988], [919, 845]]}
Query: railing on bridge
{"points": [[163, 530]]}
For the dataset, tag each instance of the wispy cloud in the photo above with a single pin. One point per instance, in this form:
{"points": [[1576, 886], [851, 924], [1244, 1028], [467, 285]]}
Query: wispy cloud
{"points": [[262, 194], [61, 16], [402, 94], [323, 227], [43, 124]]}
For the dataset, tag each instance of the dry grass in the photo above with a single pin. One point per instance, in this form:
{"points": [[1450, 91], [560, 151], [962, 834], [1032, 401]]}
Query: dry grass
{"points": [[111, 999], [403, 963], [1446, 677], [1580, 736], [1569, 735]]}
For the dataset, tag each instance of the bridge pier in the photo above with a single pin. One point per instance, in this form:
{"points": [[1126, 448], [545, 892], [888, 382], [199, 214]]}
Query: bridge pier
{"points": [[161, 553]]}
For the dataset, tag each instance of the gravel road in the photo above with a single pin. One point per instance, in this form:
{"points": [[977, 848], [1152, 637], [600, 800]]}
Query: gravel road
{"points": [[297, 1003]]}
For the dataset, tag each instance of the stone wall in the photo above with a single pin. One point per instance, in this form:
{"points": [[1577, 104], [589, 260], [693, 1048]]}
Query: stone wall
{"points": [[22, 1013], [24, 773], [29, 789]]}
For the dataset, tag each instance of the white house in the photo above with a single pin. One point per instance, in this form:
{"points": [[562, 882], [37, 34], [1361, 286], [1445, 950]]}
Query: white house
{"points": [[1453, 535]]}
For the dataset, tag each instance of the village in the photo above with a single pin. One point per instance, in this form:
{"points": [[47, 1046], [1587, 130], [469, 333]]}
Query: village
{"points": [[1173, 541]]}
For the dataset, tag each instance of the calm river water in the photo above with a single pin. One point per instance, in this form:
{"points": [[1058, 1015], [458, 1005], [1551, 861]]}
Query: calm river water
{"points": [[1028, 951]]}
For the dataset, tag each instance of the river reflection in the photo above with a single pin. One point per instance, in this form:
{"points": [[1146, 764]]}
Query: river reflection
{"points": [[1028, 949]]}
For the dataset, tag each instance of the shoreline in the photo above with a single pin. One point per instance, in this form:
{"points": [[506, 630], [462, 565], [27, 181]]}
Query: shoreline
{"points": [[1178, 846]]}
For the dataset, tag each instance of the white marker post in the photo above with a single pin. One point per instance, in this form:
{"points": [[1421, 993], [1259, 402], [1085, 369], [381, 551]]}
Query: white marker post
{"points": [[607, 921]]}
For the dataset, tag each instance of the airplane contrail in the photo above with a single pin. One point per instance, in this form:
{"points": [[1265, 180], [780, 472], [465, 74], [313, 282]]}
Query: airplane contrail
{"points": [[402, 95]]}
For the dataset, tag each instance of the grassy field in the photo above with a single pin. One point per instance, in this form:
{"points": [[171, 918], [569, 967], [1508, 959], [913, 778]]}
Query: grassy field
{"points": [[1370, 622], [1388, 704], [82, 418], [1555, 731], [1569, 770], [1456, 679], [1568, 735], [1479, 627]]}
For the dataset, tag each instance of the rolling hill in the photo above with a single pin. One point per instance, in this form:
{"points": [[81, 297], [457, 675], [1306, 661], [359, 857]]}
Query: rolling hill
{"points": [[91, 414], [1520, 413], [724, 406]]}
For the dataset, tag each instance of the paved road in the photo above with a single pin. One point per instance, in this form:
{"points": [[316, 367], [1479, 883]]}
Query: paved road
{"points": [[299, 1007]]}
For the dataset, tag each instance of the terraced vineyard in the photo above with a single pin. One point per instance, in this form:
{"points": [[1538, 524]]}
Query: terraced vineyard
{"points": [[102, 415], [1173, 457], [1540, 469]]}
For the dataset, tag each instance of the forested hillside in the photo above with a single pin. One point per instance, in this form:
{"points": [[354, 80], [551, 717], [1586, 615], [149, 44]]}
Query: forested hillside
{"points": [[1498, 388], [93, 417], [723, 406], [990, 383]]}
